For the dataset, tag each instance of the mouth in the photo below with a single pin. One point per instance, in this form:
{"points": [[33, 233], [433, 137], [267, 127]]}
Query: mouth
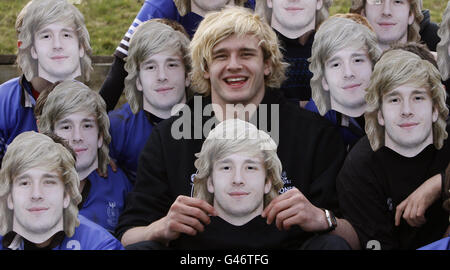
{"points": [[351, 86], [408, 125], [59, 57], [80, 150], [163, 89], [238, 194], [386, 24], [236, 82], [293, 9], [37, 209]]}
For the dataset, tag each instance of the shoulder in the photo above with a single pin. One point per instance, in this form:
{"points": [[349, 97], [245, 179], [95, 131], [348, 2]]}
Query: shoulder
{"points": [[91, 236], [9, 89]]}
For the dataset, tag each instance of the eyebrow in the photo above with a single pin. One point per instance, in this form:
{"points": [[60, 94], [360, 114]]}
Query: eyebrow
{"points": [[68, 121], [244, 49], [45, 175], [170, 59], [352, 55], [44, 30], [395, 93], [227, 160]]}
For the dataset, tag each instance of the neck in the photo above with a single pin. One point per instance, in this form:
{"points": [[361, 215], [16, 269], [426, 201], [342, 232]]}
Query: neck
{"points": [[351, 112], [238, 220], [41, 239], [164, 113], [84, 173], [294, 32], [408, 151], [51, 78]]}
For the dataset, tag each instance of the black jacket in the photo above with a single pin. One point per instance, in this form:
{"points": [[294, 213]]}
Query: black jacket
{"points": [[310, 149], [428, 31]]}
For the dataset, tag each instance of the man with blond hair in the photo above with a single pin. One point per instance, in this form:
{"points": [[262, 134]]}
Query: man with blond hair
{"points": [[393, 20], [53, 45], [39, 199], [382, 187], [295, 23], [235, 62], [77, 114], [157, 66], [343, 55]]}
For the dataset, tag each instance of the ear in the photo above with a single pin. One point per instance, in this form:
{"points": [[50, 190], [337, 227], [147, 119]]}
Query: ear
{"points": [[138, 84], [9, 201], [268, 185], [187, 81], [210, 185], [319, 4], [325, 85], [206, 75], [435, 114], [100, 141], [33, 53], [411, 18], [66, 200], [269, 3], [81, 51], [267, 67], [380, 118]]}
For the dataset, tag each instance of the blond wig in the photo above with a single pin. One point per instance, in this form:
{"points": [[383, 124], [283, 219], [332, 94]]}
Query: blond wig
{"points": [[150, 38], [415, 8], [394, 69], [45, 12], [71, 97], [335, 34], [30, 150], [443, 58], [236, 136]]}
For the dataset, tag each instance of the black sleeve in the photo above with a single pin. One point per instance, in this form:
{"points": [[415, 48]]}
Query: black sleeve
{"points": [[150, 198], [328, 157], [114, 84], [362, 200]]}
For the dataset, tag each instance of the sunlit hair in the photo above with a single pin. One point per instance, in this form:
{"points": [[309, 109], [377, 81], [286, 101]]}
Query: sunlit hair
{"points": [[417, 48], [45, 12], [265, 12], [231, 137], [184, 6], [394, 69], [216, 27], [443, 58], [333, 35], [415, 8], [150, 38], [33, 150], [71, 97]]}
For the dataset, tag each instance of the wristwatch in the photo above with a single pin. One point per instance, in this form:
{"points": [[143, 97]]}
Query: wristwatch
{"points": [[331, 219]]}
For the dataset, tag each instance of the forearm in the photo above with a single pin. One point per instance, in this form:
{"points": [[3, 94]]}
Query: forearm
{"points": [[345, 230], [152, 232]]}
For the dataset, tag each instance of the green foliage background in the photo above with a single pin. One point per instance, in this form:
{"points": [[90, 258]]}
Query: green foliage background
{"points": [[107, 20]]}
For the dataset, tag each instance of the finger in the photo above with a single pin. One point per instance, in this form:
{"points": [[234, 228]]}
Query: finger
{"points": [[191, 222], [277, 208], [275, 201], [193, 212], [198, 203], [399, 212], [182, 228], [283, 216]]}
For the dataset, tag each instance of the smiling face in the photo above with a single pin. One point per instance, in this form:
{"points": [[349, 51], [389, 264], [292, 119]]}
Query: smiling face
{"points": [[82, 133], [390, 20], [407, 115], [237, 71], [37, 200], [238, 183], [293, 18], [58, 52], [162, 80], [346, 76]]}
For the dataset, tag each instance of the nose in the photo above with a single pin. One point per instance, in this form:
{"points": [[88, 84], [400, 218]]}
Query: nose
{"points": [[162, 74], [406, 109], [234, 63], [348, 71], [238, 178], [57, 42], [76, 134], [387, 8], [36, 192]]}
